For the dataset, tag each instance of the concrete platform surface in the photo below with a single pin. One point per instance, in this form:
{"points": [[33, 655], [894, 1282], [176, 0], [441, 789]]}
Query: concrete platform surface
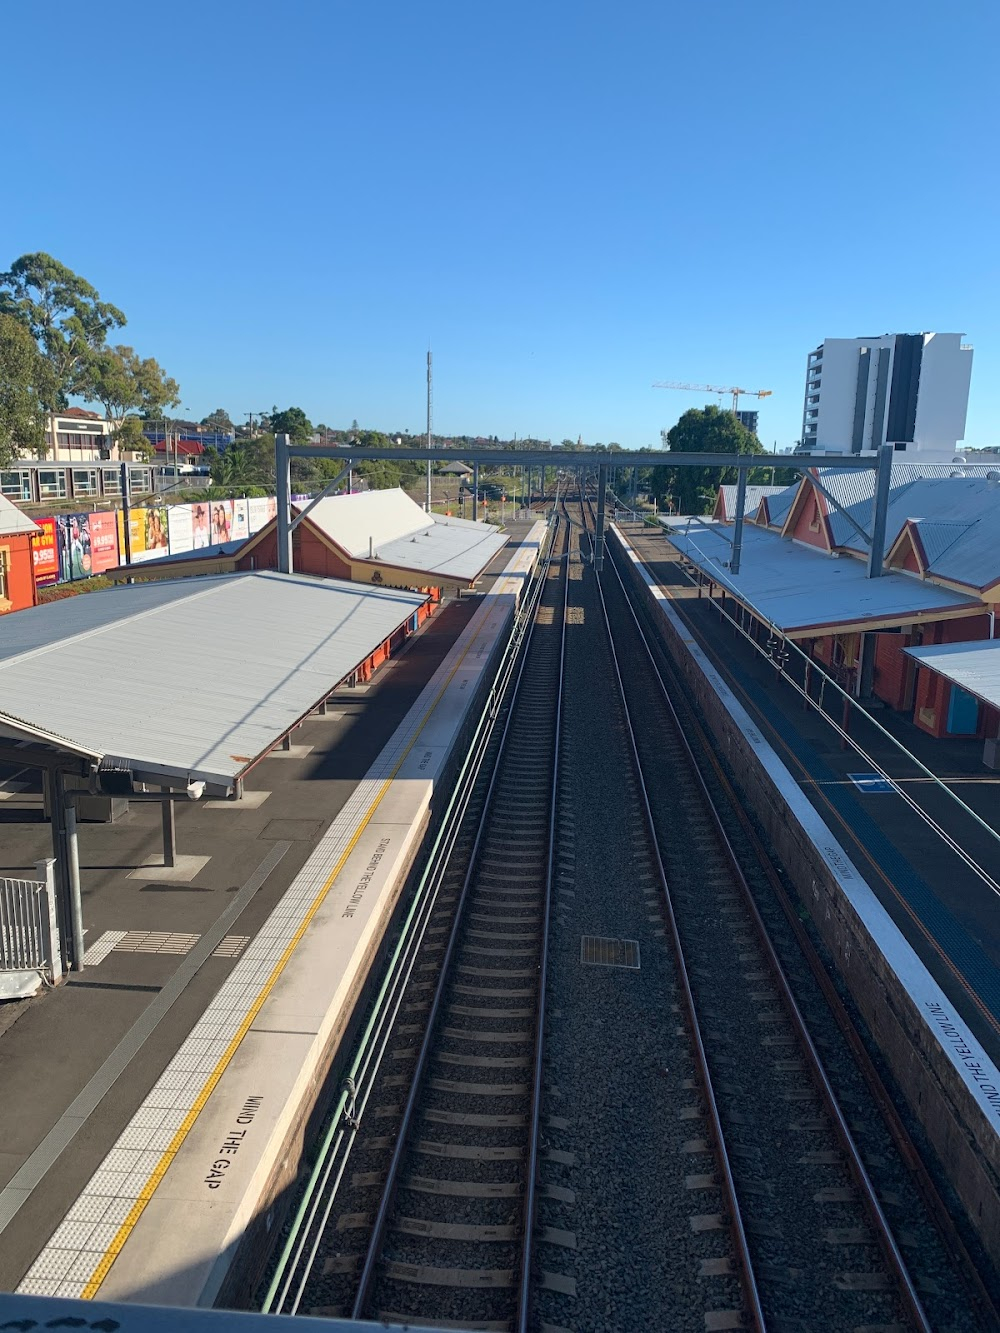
{"points": [[139, 1205]]}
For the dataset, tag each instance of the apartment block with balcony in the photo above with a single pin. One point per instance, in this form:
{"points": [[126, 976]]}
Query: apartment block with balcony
{"points": [[910, 390]]}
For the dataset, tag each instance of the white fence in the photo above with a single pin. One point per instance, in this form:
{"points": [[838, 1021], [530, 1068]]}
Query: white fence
{"points": [[29, 930]]}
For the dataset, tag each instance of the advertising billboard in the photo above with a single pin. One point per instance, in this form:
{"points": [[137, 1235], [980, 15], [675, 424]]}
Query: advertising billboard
{"points": [[46, 557], [156, 532], [136, 532], [201, 526], [258, 513], [180, 528], [222, 521], [241, 521], [103, 530]]}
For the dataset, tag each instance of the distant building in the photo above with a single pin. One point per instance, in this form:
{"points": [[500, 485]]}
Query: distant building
{"points": [[748, 419], [81, 437], [910, 390]]}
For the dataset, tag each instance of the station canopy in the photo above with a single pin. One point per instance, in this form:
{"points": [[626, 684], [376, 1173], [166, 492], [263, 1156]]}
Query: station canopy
{"points": [[804, 592], [973, 667], [189, 680]]}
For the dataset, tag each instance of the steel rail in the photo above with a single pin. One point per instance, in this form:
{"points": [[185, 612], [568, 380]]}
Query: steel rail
{"points": [[376, 1238], [882, 1228], [530, 1195], [359, 1082], [742, 1245], [937, 1208]]}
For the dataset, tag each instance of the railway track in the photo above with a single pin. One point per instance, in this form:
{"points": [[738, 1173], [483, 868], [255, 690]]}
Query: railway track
{"points": [[811, 1237], [456, 1212], [685, 1163], [434, 1216]]}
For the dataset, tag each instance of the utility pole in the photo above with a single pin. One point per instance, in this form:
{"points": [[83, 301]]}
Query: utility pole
{"points": [[427, 506]]}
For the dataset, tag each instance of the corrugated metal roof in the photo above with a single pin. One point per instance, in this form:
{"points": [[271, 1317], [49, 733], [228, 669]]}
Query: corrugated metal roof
{"points": [[12, 520], [974, 558], [453, 547], [802, 590], [936, 537], [974, 667], [396, 531], [193, 677], [779, 505], [754, 496]]}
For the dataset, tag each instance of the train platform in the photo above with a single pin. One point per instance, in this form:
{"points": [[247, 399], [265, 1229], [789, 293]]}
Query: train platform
{"points": [[944, 909], [154, 1104]]}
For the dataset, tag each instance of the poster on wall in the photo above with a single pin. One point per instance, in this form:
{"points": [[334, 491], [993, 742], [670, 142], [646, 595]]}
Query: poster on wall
{"points": [[180, 528], [137, 535], [103, 541], [73, 545], [156, 532], [44, 552], [222, 521], [201, 526], [241, 521], [257, 513]]}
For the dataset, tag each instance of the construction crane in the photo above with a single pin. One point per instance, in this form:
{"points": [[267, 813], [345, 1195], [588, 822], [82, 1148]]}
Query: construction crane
{"points": [[714, 388]]}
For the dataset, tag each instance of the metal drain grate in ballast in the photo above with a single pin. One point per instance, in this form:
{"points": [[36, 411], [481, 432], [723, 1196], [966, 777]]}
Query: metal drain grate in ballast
{"points": [[601, 952]]}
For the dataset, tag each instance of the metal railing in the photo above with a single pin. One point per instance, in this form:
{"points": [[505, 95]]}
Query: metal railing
{"points": [[29, 933]]}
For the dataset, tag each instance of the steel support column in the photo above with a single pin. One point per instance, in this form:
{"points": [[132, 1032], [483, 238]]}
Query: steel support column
{"points": [[741, 504], [75, 901], [602, 489], [60, 853], [475, 492], [883, 481], [283, 488], [169, 830]]}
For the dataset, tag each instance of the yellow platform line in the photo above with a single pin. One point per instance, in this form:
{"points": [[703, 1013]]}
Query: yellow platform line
{"points": [[159, 1171]]}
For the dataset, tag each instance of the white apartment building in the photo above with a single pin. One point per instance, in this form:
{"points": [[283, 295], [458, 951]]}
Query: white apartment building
{"points": [[81, 437], [910, 390]]}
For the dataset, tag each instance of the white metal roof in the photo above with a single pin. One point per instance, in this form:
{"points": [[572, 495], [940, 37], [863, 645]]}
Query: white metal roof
{"points": [[12, 520], [192, 678], [390, 527], [754, 496], [801, 590], [974, 667]]}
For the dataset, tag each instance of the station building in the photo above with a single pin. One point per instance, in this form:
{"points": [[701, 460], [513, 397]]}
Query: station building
{"points": [[803, 573]]}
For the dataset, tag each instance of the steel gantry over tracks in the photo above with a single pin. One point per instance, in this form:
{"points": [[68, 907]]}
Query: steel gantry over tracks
{"points": [[589, 459]]}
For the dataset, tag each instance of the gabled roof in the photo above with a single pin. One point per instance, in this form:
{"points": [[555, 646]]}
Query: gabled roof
{"points": [[388, 528], [13, 521], [263, 650], [804, 591], [774, 508], [754, 496]]}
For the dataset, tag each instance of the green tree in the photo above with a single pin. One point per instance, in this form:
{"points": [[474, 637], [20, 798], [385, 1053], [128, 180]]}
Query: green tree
{"points": [[22, 427], [125, 385], [244, 465], [66, 317], [220, 421], [292, 422], [702, 430]]}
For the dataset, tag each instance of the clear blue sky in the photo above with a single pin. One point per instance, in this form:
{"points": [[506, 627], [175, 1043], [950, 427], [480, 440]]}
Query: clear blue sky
{"points": [[569, 200]]}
